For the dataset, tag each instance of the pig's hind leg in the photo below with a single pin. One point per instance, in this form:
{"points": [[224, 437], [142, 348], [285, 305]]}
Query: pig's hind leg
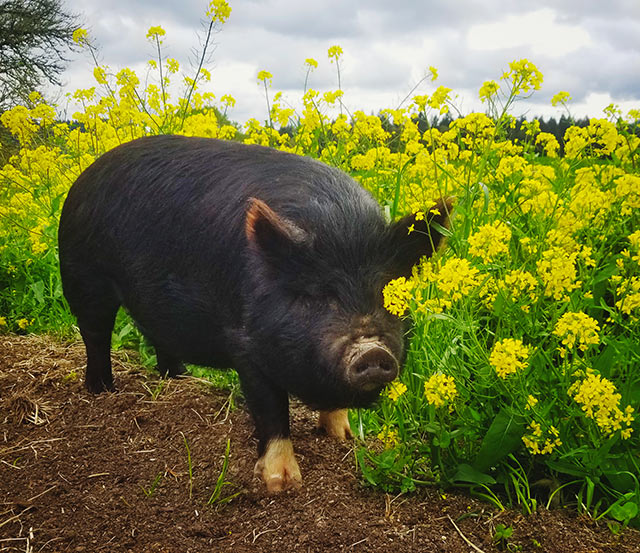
{"points": [[168, 365], [94, 302]]}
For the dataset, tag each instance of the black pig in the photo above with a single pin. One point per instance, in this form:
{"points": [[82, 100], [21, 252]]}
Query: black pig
{"points": [[229, 255]]}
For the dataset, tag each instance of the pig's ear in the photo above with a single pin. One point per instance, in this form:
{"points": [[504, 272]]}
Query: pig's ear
{"points": [[270, 233], [412, 237]]}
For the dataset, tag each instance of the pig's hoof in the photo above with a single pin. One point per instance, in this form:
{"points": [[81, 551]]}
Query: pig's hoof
{"points": [[98, 386], [172, 371], [278, 467], [336, 423]]}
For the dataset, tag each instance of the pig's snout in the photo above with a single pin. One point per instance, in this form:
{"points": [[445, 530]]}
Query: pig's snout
{"points": [[370, 365]]}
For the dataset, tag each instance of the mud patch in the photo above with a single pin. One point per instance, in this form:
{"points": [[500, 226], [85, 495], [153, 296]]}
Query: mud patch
{"points": [[111, 473]]}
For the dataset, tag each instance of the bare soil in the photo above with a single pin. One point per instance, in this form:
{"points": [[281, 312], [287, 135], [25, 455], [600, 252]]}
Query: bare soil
{"points": [[110, 473]]}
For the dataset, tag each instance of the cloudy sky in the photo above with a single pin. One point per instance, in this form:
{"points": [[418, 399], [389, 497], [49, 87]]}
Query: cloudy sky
{"points": [[590, 48]]}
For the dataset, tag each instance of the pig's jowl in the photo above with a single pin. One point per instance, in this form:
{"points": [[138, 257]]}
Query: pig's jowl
{"points": [[229, 255]]}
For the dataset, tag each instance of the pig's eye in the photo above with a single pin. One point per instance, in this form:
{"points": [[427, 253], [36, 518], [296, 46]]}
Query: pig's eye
{"points": [[305, 300], [317, 302]]}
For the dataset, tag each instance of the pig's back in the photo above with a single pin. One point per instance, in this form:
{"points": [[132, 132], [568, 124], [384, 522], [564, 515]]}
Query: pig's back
{"points": [[164, 217]]}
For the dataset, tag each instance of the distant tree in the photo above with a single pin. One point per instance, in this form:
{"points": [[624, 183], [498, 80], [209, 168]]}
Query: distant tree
{"points": [[551, 126], [34, 36]]}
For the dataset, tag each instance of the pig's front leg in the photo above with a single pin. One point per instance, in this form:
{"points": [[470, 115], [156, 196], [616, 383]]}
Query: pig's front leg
{"points": [[269, 406], [278, 467]]}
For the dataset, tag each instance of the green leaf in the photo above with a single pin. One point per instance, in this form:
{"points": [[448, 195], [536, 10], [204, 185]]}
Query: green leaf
{"points": [[605, 360], [614, 470], [605, 273], [443, 440], [475, 415], [466, 473], [634, 393], [568, 468], [625, 512], [503, 437], [38, 291]]}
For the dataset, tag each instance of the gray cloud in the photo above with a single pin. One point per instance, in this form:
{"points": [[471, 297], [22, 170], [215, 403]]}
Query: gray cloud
{"points": [[329, 19], [387, 46]]}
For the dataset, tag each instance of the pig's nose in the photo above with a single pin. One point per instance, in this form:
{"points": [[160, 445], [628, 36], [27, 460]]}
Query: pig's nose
{"points": [[372, 366]]}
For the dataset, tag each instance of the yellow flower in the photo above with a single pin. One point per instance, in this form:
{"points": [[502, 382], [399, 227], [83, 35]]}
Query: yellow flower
{"points": [[531, 402], [510, 165], [548, 440], [600, 401], [457, 278], [549, 143], [438, 99], [604, 135], [395, 390], [334, 52], [80, 36], [38, 246], [388, 436], [228, 100], [100, 75], [127, 77], [489, 291], [535, 428], [218, 10], [440, 389], [433, 72], [490, 241], [628, 190], [561, 97], [520, 285], [3, 321], [509, 356], [19, 122], [311, 63], [227, 132], [23, 323], [421, 101], [531, 128], [282, 115], [173, 66], [341, 127], [634, 240], [154, 33], [557, 270], [488, 89], [575, 142], [629, 292], [331, 97], [523, 75], [396, 295], [633, 115], [264, 76], [577, 327]]}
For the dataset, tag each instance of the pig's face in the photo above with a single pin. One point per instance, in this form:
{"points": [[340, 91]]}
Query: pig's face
{"points": [[343, 355], [317, 317], [361, 354]]}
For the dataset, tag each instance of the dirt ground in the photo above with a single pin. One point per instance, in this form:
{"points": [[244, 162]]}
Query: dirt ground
{"points": [[111, 473]]}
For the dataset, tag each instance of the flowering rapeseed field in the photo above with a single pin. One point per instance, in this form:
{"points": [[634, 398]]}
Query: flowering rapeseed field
{"points": [[524, 355]]}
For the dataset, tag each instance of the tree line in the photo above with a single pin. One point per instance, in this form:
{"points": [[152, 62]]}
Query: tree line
{"points": [[36, 35]]}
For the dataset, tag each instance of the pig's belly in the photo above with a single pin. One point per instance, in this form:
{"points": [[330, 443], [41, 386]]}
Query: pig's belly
{"points": [[188, 326]]}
